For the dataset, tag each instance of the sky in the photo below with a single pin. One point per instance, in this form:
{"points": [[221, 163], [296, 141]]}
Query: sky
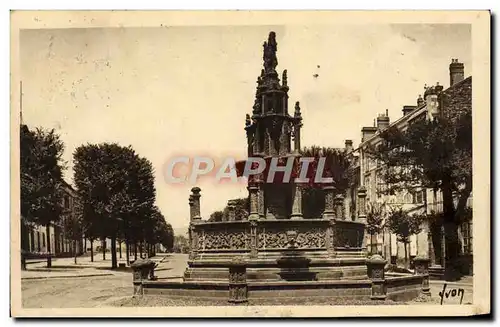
{"points": [[169, 91]]}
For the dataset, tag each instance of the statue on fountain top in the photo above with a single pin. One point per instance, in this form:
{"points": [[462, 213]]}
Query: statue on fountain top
{"points": [[270, 48]]}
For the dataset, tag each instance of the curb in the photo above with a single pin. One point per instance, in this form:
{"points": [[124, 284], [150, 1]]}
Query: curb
{"points": [[75, 276]]}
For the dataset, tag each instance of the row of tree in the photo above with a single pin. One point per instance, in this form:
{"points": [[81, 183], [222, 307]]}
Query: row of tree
{"points": [[115, 194], [398, 221]]}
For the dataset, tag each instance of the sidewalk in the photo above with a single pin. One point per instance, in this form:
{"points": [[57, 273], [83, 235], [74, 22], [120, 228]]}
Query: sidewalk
{"points": [[465, 281], [66, 267]]}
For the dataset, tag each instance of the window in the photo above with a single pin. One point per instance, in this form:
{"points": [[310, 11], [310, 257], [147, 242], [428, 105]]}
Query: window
{"points": [[408, 198], [381, 186], [66, 202], [418, 197], [466, 229]]}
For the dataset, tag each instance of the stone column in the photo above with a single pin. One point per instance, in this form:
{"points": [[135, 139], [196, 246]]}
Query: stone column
{"points": [[195, 196], [260, 196], [238, 291], [375, 266], [195, 217], [330, 238], [329, 212], [193, 241], [256, 140], [253, 237], [272, 149], [191, 207], [422, 269], [296, 138], [253, 193], [362, 204], [362, 213], [339, 207], [231, 210], [296, 128], [297, 202]]}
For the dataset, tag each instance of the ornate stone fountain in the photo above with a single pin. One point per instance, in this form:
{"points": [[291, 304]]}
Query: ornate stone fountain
{"points": [[275, 228], [274, 251]]}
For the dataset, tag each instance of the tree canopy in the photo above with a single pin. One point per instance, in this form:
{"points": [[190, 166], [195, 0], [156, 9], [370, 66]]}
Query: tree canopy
{"points": [[338, 165], [41, 180], [116, 188], [434, 153], [41, 175]]}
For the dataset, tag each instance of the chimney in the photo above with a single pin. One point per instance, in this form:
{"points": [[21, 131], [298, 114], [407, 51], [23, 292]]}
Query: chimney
{"points": [[348, 146], [431, 99], [383, 120], [420, 101], [408, 109], [367, 132], [456, 72]]}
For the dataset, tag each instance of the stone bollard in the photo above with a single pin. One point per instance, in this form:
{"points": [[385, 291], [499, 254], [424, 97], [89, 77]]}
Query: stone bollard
{"points": [[422, 269], [238, 290], [23, 260], [376, 273], [141, 271]]}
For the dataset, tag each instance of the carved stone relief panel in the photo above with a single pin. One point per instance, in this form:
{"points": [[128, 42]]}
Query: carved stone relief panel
{"points": [[276, 238], [224, 239]]}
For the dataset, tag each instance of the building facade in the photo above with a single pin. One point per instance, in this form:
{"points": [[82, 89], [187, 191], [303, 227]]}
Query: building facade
{"points": [[430, 241], [36, 242]]}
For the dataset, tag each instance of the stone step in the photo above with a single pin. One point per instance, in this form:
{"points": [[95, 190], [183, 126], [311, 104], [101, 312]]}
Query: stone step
{"points": [[436, 272]]}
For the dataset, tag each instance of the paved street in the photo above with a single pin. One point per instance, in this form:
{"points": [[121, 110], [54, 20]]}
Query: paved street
{"points": [[86, 284]]}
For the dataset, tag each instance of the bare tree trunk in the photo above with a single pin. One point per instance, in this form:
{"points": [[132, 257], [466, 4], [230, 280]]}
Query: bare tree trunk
{"points": [[74, 247], [91, 250], [120, 244], [135, 251], [452, 247], [127, 252], [103, 245], [49, 257], [24, 245], [406, 254], [114, 264], [140, 249]]}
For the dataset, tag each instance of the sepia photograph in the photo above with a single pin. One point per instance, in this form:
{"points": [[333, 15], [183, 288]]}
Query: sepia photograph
{"points": [[250, 163]]}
